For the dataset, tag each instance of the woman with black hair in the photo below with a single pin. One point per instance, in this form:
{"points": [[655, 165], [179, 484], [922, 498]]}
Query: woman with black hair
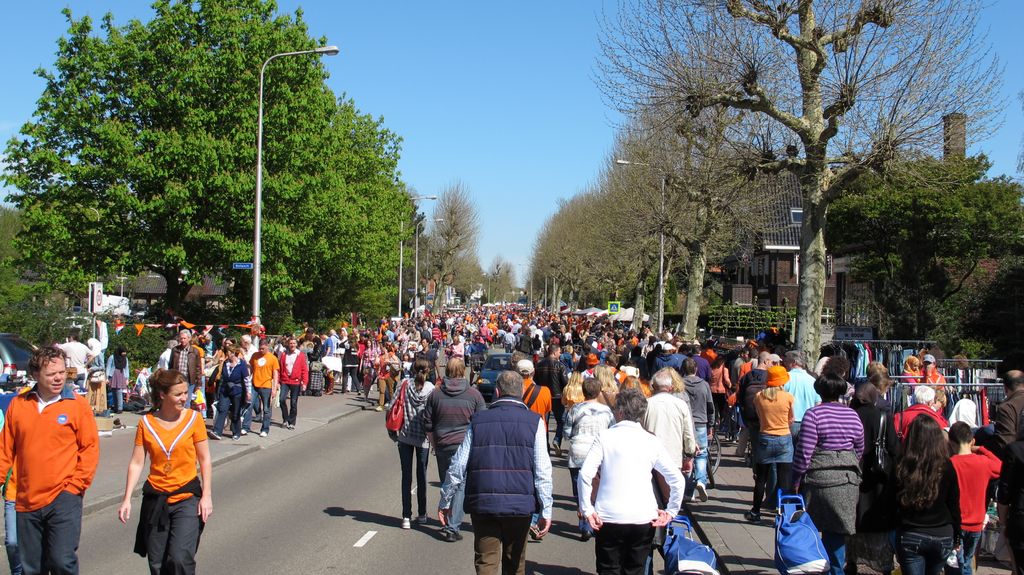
{"points": [[118, 376], [826, 466], [928, 501]]}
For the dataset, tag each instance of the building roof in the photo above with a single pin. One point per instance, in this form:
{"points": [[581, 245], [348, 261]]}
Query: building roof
{"points": [[153, 284], [781, 233]]}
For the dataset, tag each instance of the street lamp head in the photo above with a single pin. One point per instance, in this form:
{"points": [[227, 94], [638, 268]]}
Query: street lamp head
{"points": [[327, 50], [417, 198], [622, 162]]}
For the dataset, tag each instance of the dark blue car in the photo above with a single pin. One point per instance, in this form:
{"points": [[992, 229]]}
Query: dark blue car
{"points": [[495, 364]]}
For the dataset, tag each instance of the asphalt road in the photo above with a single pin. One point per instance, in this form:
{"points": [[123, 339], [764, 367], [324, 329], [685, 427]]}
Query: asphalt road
{"points": [[310, 504]]}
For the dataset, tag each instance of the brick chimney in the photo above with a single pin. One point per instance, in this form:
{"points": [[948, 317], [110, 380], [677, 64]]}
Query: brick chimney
{"points": [[954, 135]]}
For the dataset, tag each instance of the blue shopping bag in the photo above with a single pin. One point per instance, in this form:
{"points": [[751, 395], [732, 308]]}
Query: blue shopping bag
{"points": [[685, 555], [798, 547]]}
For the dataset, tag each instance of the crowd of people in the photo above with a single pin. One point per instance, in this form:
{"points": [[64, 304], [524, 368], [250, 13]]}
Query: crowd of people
{"points": [[628, 414]]}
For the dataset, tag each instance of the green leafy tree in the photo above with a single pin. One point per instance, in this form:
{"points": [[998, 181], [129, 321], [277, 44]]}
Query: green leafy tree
{"points": [[141, 153], [920, 233]]}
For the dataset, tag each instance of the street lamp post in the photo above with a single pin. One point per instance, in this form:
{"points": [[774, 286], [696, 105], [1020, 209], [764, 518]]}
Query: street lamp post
{"points": [[257, 241], [416, 297], [661, 254], [401, 251]]}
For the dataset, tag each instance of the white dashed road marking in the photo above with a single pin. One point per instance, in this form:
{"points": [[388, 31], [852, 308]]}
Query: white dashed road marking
{"points": [[365, 539]]}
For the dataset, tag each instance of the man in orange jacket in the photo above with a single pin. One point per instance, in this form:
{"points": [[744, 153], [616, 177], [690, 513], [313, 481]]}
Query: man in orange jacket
{"points": [[50, 436]]}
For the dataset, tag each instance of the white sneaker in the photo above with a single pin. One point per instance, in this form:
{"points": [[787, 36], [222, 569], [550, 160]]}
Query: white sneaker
{"points": [[263, 434], [701, 492], [406, 523]]}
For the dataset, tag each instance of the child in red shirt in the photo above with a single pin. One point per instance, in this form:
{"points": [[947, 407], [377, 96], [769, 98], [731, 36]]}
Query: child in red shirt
{"points": [[975, 468]]}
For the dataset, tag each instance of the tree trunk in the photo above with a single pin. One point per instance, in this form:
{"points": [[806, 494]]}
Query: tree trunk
{"points": [[638, 305], [812, 272], [694, 290], [175, 293]]}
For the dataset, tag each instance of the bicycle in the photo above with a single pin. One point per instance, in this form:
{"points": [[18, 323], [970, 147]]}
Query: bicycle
{"points": [[714, 455]]}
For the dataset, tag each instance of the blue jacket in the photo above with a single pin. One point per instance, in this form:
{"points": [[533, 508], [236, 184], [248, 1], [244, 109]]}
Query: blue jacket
{"points": [[500, 471], [233, 383]]}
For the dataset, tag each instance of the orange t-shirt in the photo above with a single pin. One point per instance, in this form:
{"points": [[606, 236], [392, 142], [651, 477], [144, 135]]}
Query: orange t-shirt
{"points": [[775, 415], [263, 368], [745, 368], [542, 406], [183, 454]]}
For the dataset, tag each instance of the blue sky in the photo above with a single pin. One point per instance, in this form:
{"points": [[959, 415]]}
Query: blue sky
{"points": [[500, 96]]}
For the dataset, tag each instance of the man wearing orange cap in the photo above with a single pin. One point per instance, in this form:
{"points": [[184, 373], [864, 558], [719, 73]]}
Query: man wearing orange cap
{"points": [[592, 362]]}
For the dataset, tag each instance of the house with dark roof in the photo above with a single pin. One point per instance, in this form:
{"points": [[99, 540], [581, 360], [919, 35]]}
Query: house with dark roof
{"points": [[765, 272], [153, 286]]}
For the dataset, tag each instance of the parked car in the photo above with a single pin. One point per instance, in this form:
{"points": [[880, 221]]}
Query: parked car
{"points": [[495, 364], [14, 355]]}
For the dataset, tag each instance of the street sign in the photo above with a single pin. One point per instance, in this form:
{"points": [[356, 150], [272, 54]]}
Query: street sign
{"points": [[241, 266], [95, 296], [614, 306]]}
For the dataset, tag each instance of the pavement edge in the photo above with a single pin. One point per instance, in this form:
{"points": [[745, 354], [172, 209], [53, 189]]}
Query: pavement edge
{"points": [[723, 569]]}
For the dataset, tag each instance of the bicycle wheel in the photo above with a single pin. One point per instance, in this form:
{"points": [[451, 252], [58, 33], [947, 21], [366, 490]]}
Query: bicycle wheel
{"points": [[714, 453]]}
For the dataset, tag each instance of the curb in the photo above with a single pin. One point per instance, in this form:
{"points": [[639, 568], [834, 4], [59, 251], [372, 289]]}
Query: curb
{"points": [[723, 569], [112, 500]]}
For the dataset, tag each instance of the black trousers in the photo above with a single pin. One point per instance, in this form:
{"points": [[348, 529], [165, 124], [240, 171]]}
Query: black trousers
{"points": [[405, 457], [48, 537], [173, 551], [622, 549], [290, 394]]}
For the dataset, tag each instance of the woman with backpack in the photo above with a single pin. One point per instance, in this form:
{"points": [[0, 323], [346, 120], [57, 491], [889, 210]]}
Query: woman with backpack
{"points": [[826, 467], [412, 441], [927, 501]]}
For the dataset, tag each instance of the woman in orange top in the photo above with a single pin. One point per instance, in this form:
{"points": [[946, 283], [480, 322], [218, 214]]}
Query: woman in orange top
{"points": [[774, 444], [175, 504], [912, 370]]}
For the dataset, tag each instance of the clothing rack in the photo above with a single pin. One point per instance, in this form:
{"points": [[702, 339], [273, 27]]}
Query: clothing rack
{"points": [[900, 396], [927, 343]]}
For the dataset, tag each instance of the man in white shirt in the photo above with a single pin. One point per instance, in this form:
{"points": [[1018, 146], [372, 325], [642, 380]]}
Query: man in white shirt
{"points": [[626, 511], [79, 356], [668, 417]]}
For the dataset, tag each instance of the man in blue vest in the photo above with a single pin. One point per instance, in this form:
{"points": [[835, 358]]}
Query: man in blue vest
{"points": [[503, 462]]}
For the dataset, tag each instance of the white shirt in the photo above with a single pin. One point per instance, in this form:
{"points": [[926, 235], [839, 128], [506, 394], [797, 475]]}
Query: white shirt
{"points": [[78, 355], [289, 360], [41, 403], [625, 455], [668, 418], [165, 359]]}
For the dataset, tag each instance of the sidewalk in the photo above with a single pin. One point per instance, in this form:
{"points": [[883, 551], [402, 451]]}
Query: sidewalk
{"points": [[744, 547], [107, 487]]}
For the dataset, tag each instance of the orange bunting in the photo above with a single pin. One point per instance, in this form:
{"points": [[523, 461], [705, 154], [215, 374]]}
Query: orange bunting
{"points": [[139, 327], [186, 324]]}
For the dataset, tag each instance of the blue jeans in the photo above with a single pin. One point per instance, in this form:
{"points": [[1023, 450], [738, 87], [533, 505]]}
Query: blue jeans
{"points": [[921, 554], [444, 461], [228, 405], [968, 547], [835, 548], [700, 464], [11, 537], [261, 395], [48, 537]]}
